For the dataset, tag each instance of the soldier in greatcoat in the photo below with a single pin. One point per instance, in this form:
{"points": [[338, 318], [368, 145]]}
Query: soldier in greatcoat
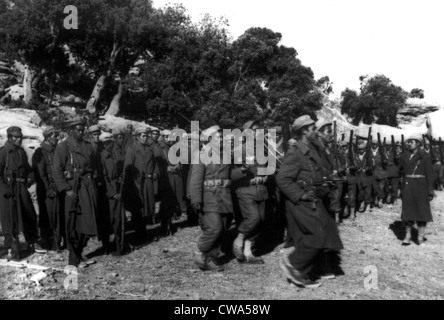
{"points": [[17, 212], [73, 170], [417, 170], [141, 175], [51, 213], [314, 229], [211, 198]]}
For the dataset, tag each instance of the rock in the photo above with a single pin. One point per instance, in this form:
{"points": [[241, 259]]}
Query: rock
{"points": [[361, 252], [16, 92], [38, 277]]}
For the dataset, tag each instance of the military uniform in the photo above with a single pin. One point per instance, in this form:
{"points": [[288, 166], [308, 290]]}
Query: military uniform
{"points": [[17, 211], [393, 176], [209, 188], [380, 176], [74, 163], [417, 191], [51, 217]]}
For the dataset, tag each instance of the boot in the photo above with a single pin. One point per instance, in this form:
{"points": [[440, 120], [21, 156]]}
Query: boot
{"points": [[202, 260], [238, 247], [380, 205], [249, 257], [347, 211], [337, 217], [395, 201], [421, 234], [389, 199], [362, 207], [408, 236]]}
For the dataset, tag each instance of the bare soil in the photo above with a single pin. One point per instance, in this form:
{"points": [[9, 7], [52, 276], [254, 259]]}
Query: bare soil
{"points": [[165, 269]]}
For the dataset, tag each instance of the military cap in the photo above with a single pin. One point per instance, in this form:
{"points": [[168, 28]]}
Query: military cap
{"points": [[14, 131], [249, 124], [415, 136], [76, 121], [118, 131], [292, 142], [343, 143], [141, 130], [362, 145], [165, 132], [208, 132], [94, 128], [153, 129], [49, 130], [301, 122], [106, 137], [322, 123]]}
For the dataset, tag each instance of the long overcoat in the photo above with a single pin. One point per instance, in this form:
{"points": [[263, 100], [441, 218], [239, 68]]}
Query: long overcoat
{"points": [[314, 228], [415, 203]]}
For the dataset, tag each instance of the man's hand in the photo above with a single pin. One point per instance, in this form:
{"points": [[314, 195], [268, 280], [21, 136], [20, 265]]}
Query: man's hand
{"points": [[197, 206], [71, 194], [117, 196], [431, 195], [308, 196]]}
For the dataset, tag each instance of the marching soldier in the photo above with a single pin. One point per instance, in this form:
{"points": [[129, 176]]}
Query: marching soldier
{"points": [[74, 166], [393, 175], [112, 164], [314, 230], [379, 174], [251, 196], [211, 198], [141, 174], [51, 219], [418, 190], [17, 211]]}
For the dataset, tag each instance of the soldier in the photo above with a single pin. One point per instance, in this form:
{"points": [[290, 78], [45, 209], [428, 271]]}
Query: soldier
{"points": [[73, 170], [314, 230], [211, 198], [51, 219], [112, 164], [329, 163], [437, 167], [379, 174], [17, 211], [365, 178], [141, 174], [393, 175], [251, 196], [417, 170]]}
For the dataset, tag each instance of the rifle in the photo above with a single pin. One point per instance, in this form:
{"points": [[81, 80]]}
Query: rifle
{"points": [[402, 144], [308, 185], [395, 155], [351, 158], [335, 146], [381, 151], [286, 134], [74, 209], [440, 151], [14, 202], [121, 209], [368, 160]]}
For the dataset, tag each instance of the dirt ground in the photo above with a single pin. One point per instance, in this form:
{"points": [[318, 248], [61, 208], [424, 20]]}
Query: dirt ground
{"points": [[165, 270]]}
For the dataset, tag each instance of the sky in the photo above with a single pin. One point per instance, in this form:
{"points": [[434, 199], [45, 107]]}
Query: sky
{"points": [[344, 39]]}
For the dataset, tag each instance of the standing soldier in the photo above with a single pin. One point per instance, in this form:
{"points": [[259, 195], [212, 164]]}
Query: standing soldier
{"points": [[251, 196], [365, 178], [314, 230], [112, 164], [379, 173], [393, 174], [211, 198], [73, 175], [417, 170], [437, 166], [17, 211], [141, 174], [51, 221]]}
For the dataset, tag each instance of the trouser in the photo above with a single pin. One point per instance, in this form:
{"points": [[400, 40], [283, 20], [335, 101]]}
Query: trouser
{"points": [[302, 258], [75, 249], [352, 190], [380, 188], [365, 194], [213, 225], [438, 169], [253, 213], [393, 186], [418, 223]]}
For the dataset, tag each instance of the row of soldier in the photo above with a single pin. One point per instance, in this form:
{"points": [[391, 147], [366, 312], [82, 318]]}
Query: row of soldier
{"points": [[84, 189]]}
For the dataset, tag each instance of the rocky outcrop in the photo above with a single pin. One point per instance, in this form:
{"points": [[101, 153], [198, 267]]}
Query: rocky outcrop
{"points": [[415, 111]]}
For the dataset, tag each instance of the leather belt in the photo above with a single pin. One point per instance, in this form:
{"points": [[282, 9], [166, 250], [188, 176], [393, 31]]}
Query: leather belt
{"points": [[19, 180], [415, 176], [223, 183]]}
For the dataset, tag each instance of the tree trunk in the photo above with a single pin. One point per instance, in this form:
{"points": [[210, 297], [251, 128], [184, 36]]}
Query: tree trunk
{"points": [[95, 95], [114, 108], [27, 84], [91, 105]]}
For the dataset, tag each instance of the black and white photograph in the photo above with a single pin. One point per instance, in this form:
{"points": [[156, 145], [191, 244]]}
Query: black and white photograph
{"points": [[226, 151]]}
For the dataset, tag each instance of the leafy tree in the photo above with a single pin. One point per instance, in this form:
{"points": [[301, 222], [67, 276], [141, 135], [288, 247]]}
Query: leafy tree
{"points": [[30, 33], [417, 93], [378, 101]]}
